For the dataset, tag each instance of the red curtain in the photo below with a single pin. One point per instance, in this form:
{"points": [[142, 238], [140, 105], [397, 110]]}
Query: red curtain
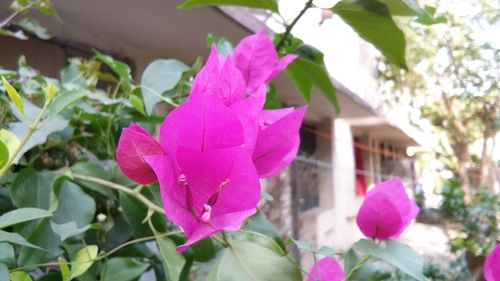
{"points": [[360, 181]]}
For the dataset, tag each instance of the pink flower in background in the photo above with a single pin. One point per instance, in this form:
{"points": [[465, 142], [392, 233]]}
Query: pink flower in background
{"points": [[207, 178], [278, 140], [386, 210], [134, 144], [491, 270], [256, 57], [326, 269]]}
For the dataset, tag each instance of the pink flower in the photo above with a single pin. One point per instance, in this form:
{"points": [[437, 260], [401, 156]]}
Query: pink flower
{"points": [[134, 144], [207, 178], [491, 268], [278, 140], [257, 59], [386, 211], [326, 269]]}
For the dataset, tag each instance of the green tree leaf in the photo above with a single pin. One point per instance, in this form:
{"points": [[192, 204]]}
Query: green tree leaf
{"points": [[74, 205], [33, 26], [159, 77], [4, 272], [43, 236], [7, 256], [4, 154], [373, 22], [248, 261], [258, 4], [10, 140], [118, 67], [13, 95], [83, 260], [122, 269], [20, 276], [65, 271], [33, 189], [306, 73], [68, 229], [15, 238], [65, 99], [137, 103], [403, 7], [22, 215], [224, 46], [172, 261], [95, 170], [259, 223], [395, 253]]}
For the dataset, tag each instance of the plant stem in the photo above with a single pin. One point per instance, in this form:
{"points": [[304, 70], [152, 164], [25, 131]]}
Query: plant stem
{"points": [[31, 129], [123, 189], [11, 16], [358, 266], [290, 27]]}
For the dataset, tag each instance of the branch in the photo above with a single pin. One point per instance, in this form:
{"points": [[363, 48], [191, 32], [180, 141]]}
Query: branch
{"points": [[124, 189], [290, 27]]}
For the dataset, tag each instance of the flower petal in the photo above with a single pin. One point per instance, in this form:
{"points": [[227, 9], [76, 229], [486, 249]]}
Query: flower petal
{"points": [[278, 143], [255, 56], [134, 144], [326, 269], [282, 64], [204, 123]]}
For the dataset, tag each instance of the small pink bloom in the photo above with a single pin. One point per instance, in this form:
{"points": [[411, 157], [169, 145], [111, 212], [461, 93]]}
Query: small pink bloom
{"points": [[491, 268], [256, 57], [278, 140], [326, 269], [134, 144], [386, 211]]}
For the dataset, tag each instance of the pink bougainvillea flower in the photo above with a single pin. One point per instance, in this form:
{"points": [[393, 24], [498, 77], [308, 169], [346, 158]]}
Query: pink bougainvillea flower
{"points": [[491, 270], [278, 140], [326, 269], [134, 144], [386, 211], [205, 192], [256, 57]]}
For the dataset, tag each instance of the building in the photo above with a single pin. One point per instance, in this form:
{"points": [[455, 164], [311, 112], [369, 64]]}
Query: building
{"points": [[341, 155]]}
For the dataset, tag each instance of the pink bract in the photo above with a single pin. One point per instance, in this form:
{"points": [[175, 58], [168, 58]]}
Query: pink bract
{"points": [[134, 144], [256, 57], [326, 269], [386, 210], [278, 140], [206, 192], [491, 270]]}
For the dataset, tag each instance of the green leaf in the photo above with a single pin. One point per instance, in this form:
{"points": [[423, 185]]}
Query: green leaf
{"points": [[33, 189], [71, 76], [172, 261], [395, 253], [43, 236], [273, 100], [22, 215], [259, 223], [159, 77], [95, 170], [33, 26], [20, 276], [70, 195], [65, 99], [15, 238], [122, 269], [7, 256], [68, 229], [258, 4], [13, 95], [403, 7], [4, 272], [248, 261], [118, 67], [49, 91], [137, 103], [306, 73], [65, 271], [303, 245], [19, 34], [373, 22], [83, 260], [10, 140], [4, 154], [203, 250], [428, 17]]}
